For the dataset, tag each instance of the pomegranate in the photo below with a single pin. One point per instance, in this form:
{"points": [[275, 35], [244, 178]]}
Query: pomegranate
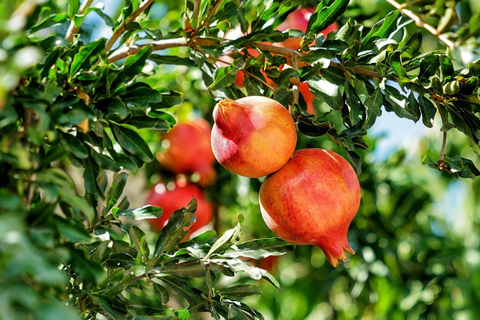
{"points": [[312, 200], [174, 196], [189, 151], [252, 136]]}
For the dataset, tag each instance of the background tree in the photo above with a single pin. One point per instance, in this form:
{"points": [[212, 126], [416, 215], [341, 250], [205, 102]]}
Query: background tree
{"points": [[86, 91]]}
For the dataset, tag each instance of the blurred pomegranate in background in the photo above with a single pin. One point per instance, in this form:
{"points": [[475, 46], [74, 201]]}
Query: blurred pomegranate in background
{"points": [[176, 195], [188, 150]]}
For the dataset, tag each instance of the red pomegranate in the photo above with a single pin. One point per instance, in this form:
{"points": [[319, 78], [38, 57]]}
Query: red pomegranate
{"points": [[176, 196], [252, 136], [188, 150], [312, 200]]}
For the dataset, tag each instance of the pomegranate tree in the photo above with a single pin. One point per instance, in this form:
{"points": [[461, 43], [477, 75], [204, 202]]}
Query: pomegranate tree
{"points": [[252, 136], [311, 200]]}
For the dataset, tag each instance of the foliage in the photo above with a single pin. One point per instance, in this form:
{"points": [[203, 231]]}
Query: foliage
{"points": [[72, 102]]}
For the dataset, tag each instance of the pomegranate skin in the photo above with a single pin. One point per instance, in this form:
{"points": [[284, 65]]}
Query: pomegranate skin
{"points": [[312, 200], [176, 197], [252, 136]]}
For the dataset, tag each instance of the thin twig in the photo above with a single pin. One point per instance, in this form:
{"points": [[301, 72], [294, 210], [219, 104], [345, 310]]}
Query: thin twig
{"points": [[444, 147], [157, 45], [72, 29], [140, 277], [143, 6], [211, 12], [422, 24], [290, 53], [295, 87], [269, 86]]}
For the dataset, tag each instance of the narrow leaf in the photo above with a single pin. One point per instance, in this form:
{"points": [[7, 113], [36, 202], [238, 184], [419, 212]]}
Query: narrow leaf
{"points": [[131, 141]]}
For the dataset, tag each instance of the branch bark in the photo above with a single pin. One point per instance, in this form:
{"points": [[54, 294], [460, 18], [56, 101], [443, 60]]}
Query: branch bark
{"points": [[72, 29], [157, 45], [143, 6], [422, 24]]}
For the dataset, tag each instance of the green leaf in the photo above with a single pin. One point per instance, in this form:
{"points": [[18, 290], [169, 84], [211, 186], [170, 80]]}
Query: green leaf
{"points": [[174, 60], [8, 116], [225, 76], [161, 292], [115, 283], [90, 175], [326, 15], [114, 108], [373, 106], [80, 17], [146, 122], [177, 228], [413, 106], [189, 269], [145, 212], [171, 98], [242, 290], [49, 21], [72, 230], [132, 67], [428, 67], [74, 145], [313, 128], [86, 56], [73, 6], [382, 29], [55, 310], [353, 111], [327, 91], [85, 268], [141, 95], [116, 190], [462, 167], [428, 110], [192, 295], [258, 249], [237, 265], [355, 160], [412, 46], [131, 141], [229, 238], [137, 237], [121, 260], [396, 102], [66, 190]]}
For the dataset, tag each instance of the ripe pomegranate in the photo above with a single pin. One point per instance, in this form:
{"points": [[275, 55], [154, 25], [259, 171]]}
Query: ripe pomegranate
{"points": [[189, 151], [252, 136], [312, 200], [171, 197], [298, 20]]}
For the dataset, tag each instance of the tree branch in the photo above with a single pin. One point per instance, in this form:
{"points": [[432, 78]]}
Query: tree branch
{"points": [[422, 24], [290, 53], [157, 45], [210, 14], [143, 6], [72, 29]]}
